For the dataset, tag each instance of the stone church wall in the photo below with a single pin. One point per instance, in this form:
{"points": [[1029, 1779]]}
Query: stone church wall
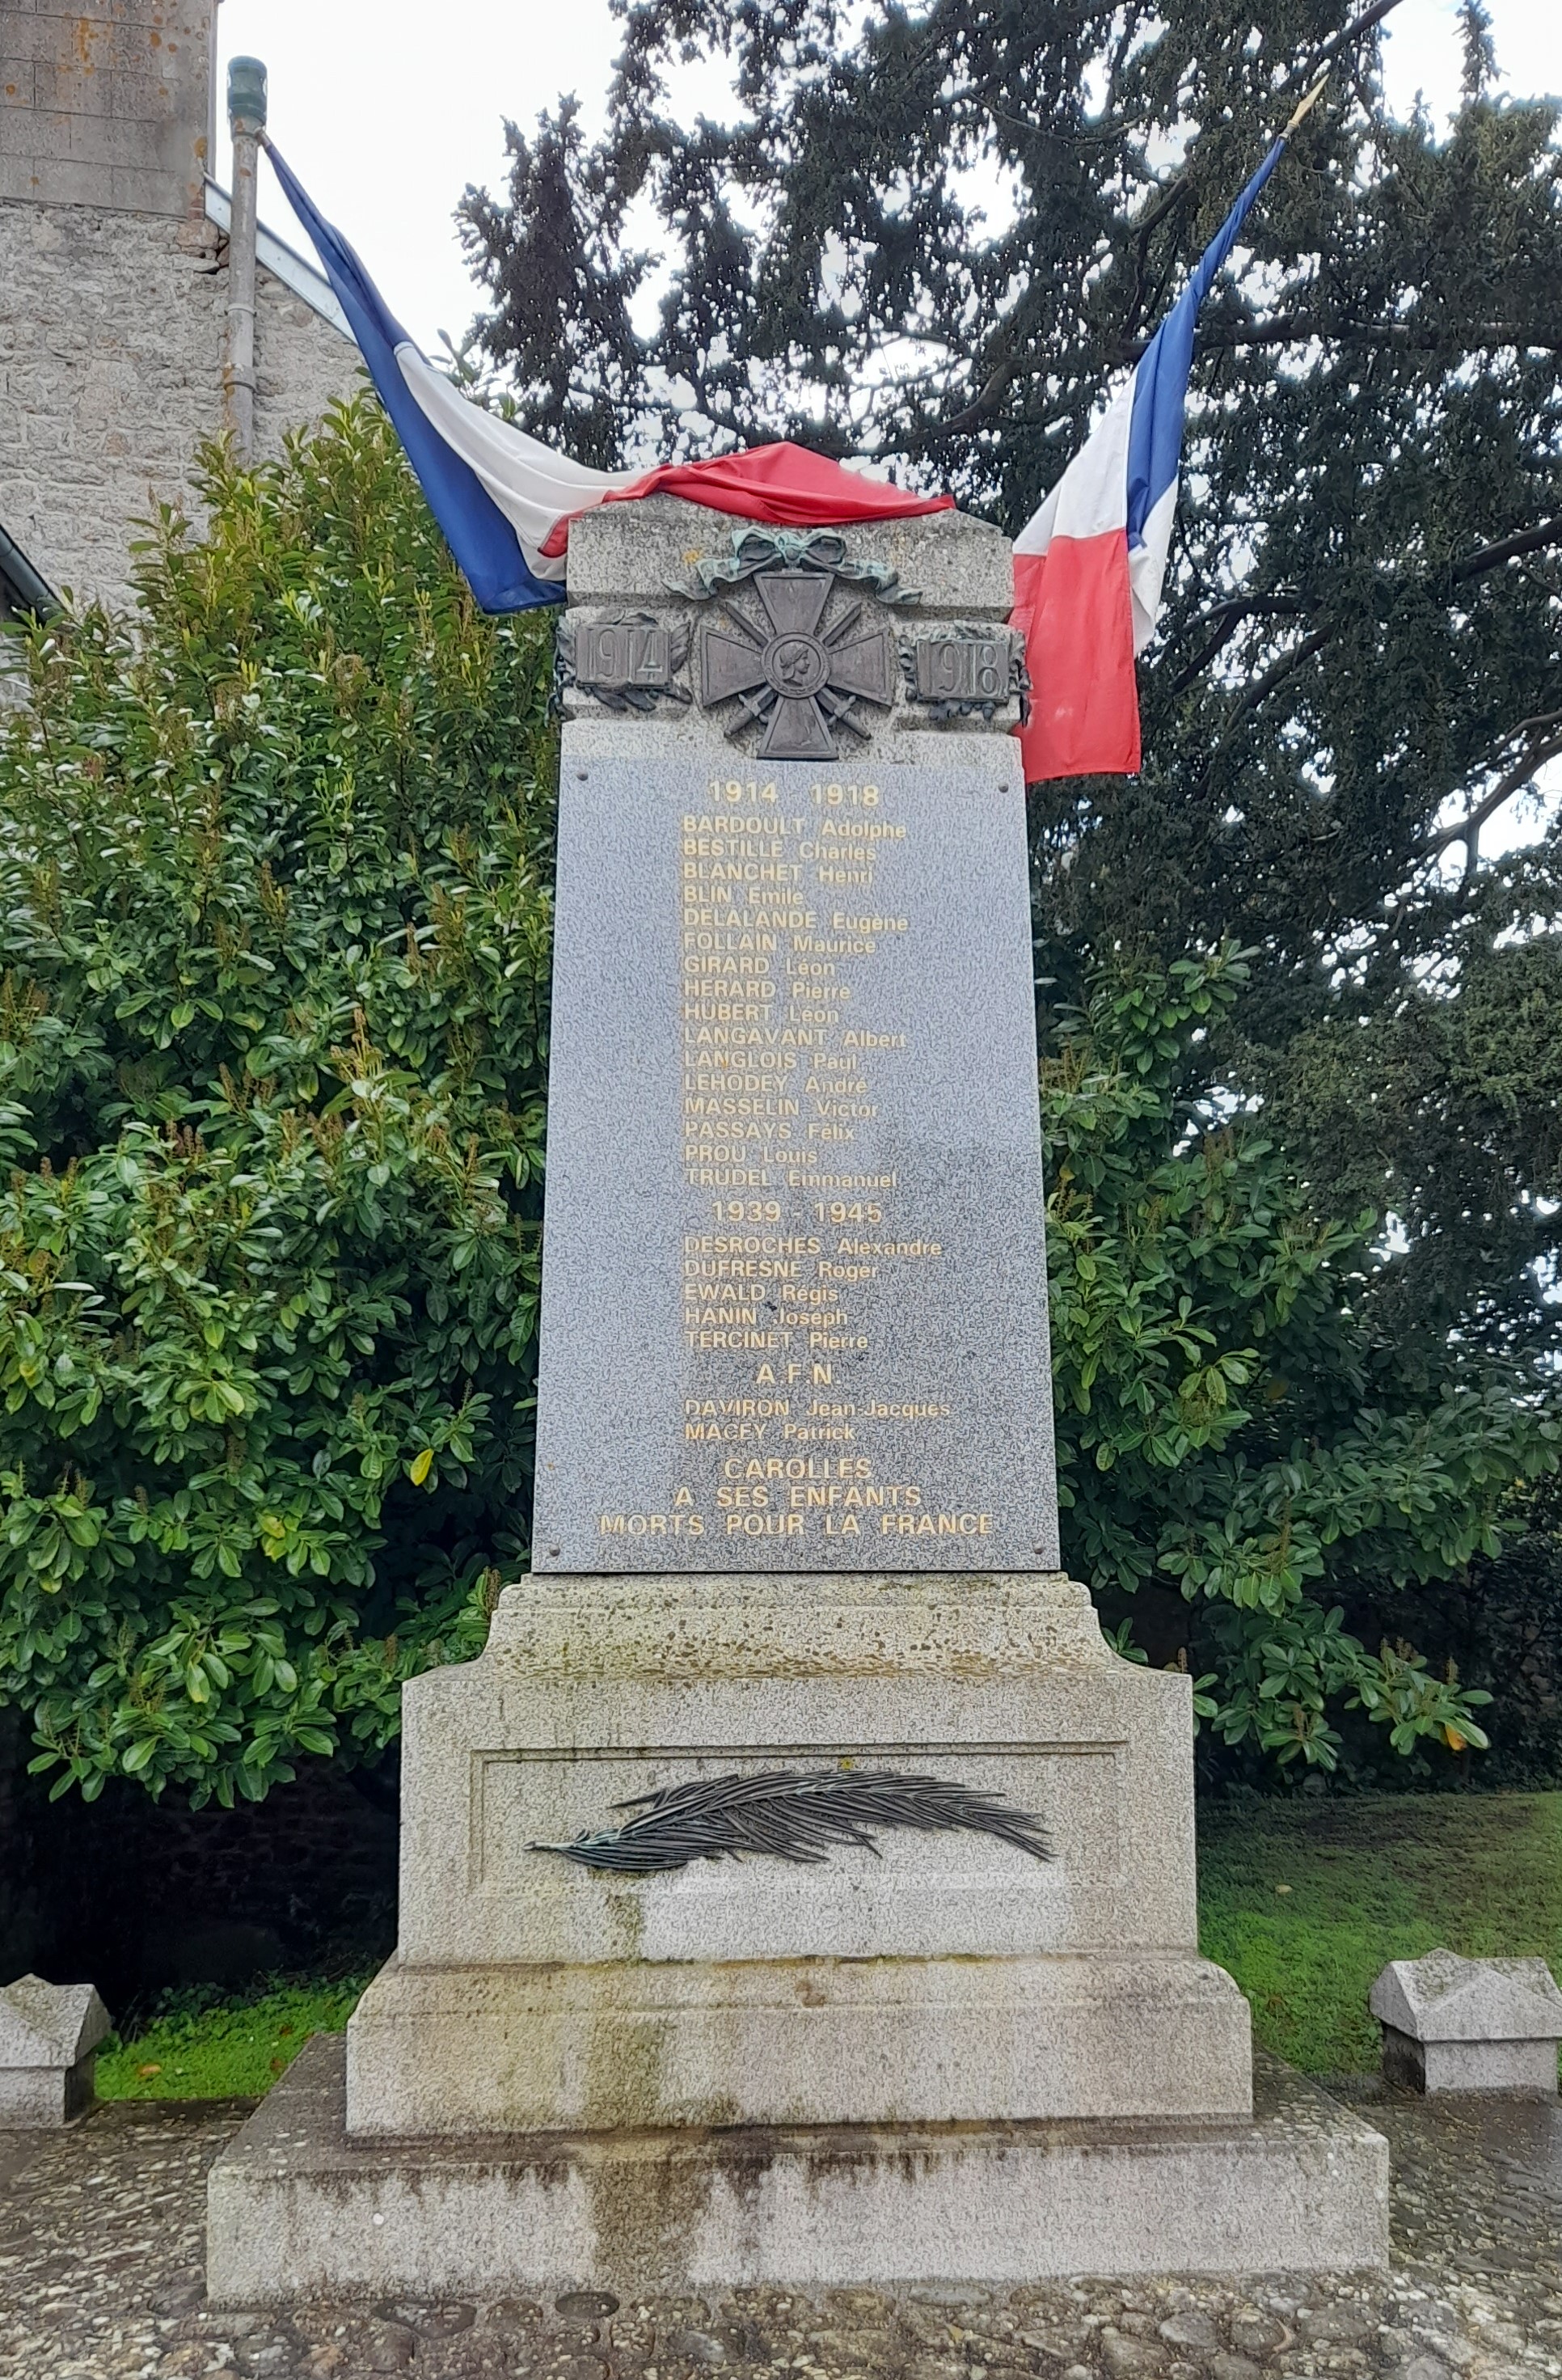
{"points": [[135, 1895], [106, 105], [112, 331], [114, 283]]}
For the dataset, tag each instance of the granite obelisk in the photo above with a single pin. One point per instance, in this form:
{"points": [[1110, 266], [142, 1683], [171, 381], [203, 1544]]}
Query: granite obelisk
{"points": [[793, 1310]]}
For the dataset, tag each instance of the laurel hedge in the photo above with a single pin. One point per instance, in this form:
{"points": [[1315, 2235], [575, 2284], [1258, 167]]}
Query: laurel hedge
{"points": [[275, 949]]}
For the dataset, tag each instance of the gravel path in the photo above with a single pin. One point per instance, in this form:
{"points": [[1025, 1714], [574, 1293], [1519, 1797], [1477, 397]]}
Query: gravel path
{"points": [[101, 2243]]}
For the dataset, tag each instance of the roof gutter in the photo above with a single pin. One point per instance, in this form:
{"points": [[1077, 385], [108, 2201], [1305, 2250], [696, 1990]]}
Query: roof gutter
{"points": [[286, 262]]}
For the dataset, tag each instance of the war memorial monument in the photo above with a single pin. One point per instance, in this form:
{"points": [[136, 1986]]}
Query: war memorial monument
{"points": [[798, 1889]]}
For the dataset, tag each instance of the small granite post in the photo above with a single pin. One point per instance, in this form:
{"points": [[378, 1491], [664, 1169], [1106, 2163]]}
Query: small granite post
{"points": [[49, 2037], [1469, 2024], [795, 1596]]}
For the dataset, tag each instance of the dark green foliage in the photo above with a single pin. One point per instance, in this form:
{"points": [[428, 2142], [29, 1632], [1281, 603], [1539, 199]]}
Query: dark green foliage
{"points": [[1231, 1424], [1501, 1622], [274, 934], [937, 238]]}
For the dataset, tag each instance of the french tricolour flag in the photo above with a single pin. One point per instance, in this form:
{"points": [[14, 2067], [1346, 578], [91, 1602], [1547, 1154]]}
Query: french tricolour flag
{"points": [[505, 500], [1090, 564]]}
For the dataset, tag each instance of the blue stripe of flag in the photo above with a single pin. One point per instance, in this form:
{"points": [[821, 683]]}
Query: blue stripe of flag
{"points": [[483, 542], [1160, 385]]}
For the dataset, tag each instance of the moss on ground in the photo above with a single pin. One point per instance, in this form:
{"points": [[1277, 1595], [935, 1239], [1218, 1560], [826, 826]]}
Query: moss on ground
{"points": [[1305, 1901]]}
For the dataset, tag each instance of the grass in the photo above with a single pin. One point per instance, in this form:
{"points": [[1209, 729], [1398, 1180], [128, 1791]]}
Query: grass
{"points": [[1305, 1901], [200, 2046]]}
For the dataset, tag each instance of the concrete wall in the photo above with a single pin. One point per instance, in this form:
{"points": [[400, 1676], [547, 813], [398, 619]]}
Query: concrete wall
{"points": [[112, 330], [107, 105]]}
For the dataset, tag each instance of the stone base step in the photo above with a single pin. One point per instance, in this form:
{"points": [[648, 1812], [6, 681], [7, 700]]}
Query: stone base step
{"points": [[296, 2213], [646, 2045]]}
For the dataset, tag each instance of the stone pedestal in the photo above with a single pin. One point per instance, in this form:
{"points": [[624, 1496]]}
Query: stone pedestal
{"points": [[948, 2060], [942, 1978]]}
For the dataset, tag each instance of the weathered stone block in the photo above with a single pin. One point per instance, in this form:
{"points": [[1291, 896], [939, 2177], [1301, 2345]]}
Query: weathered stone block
{"points": [[49, 2037], [489, 2051], [115, 89], [1469, 2024], [298, 2209], [937, 1978], [66, 181], [623, 553], [917, 593], [18, 85]]}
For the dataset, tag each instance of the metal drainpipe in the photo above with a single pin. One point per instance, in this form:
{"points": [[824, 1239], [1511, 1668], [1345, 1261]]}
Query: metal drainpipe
{"points": [[247, 117]]}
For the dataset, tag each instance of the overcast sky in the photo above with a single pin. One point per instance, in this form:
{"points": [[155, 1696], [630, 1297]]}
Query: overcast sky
{"points": [[386, 109]]}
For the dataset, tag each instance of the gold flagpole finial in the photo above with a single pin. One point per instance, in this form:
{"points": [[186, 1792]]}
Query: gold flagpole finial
{"points": [[1308, 105]]}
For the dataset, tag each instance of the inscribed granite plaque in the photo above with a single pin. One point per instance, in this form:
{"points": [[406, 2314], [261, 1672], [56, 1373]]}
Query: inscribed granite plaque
{"points": [[794, 1286]]}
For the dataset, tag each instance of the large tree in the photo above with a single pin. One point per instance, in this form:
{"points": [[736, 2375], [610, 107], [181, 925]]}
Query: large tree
{"points": [[934, 233], [1253, 1480]]}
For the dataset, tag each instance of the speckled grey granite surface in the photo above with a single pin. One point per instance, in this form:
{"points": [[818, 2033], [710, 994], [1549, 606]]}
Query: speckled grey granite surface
{"points": [[100, 2236], [793, 1314]]}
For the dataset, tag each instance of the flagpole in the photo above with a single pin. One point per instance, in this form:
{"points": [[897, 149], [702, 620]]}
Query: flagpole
{"points": [[247, 116], [1310, 102]]}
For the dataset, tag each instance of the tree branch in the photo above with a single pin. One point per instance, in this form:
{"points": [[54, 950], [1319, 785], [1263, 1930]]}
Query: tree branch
{"points": [[985, 402], [1513, 781], [1343, 39], [1289, 329], [1157, 214], [1506, 549], [1273, 676], [1226, 619], [1222, 624]]}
